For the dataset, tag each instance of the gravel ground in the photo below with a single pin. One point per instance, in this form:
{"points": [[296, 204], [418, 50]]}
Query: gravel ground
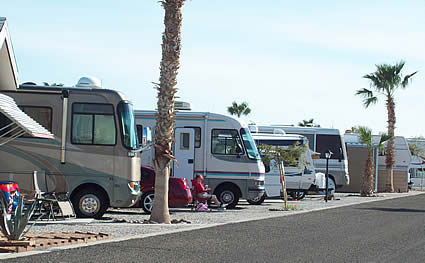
{"points": [[131, 217]]}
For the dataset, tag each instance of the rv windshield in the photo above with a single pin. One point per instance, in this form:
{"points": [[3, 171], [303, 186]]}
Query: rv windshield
{"points": [[251, 148], [128, 127]]}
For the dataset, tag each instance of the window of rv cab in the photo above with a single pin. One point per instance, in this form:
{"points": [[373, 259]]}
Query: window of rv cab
{"points": [[93, 123], [128, 125], [329, 142], [226, 142], [248, 141]]}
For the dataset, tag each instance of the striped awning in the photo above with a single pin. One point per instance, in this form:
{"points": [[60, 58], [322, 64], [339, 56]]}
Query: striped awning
{"points": [[21, 123]]}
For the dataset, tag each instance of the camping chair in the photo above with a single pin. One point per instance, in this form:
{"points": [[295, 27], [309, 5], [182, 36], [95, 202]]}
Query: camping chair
{"points": [[50, 205], [196, 199]]}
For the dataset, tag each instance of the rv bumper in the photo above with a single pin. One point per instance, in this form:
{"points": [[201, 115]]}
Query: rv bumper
{"points": [[129, 197], [255, 189]]}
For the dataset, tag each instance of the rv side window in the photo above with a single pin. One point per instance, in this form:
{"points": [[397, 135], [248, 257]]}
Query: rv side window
{"points": [[197, 135], [93, 124], [329, 142], [42, 115], [310, 138], [226, 142]]}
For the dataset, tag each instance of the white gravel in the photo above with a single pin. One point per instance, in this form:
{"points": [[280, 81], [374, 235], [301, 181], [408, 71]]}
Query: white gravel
{"points": [[244, 212]]}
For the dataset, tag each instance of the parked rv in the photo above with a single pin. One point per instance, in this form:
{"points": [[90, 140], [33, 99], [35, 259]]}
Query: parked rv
{"points": [[93, 155], [299, 178], [217, 146], [320, 140]]}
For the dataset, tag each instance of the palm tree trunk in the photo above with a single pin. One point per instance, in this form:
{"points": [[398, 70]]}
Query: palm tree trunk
{"points": [[164, 130], [367, 178], [391, 143]]}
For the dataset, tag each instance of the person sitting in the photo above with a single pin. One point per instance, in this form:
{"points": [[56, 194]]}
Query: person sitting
{"points": [[202, 191]]}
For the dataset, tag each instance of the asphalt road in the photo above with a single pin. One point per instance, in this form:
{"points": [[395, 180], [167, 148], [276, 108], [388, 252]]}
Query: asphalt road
{"points": [[383, 231]]}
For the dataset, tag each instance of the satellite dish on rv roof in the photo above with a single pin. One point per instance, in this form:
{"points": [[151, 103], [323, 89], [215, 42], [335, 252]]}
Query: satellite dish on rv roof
{"points": [[89, 82]]}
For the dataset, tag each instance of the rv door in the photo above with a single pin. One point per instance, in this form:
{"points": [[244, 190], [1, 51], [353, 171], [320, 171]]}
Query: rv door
{"points": [[184, 152]]}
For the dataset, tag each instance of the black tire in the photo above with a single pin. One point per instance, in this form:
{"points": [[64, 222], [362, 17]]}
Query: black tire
{"points": [[257, 201], [228, 195], [90, 203], [297, 195], [146, 201]]}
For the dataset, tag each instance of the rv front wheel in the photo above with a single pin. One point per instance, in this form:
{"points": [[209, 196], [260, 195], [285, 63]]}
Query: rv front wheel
{"points": [[90, 202], [228, 195]]}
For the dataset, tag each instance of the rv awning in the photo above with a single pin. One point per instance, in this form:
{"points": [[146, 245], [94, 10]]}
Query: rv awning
{"points": [[8, 69], [21, 122]]}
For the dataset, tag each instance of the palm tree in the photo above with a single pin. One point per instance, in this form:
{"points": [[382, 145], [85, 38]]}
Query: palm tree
{"points": [[366, 188], [53, 84], [241, 109], [365, 134], [306, 123], [385, 81], [164, 129]]}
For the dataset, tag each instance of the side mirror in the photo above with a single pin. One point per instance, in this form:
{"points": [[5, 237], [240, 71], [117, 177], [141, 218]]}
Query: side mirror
{"points": [[239, 149]]}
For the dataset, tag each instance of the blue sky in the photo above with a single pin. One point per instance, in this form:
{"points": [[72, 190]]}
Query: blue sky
{"points": [[290, 60]]}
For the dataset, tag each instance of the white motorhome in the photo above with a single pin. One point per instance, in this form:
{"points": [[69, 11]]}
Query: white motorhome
{"points": [[321, 140], [417, 165], [402, 163], [217, 146], [299, 179], [93, 153]]}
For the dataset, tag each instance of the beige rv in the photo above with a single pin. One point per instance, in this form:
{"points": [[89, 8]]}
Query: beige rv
{"points": [[93, 155]]}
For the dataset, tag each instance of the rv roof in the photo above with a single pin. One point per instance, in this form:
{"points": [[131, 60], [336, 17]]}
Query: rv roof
{"points": [[291, 129], [265, 136], [194, 115]]}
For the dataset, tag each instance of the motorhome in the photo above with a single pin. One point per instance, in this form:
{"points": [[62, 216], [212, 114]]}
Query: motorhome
{"points": [[321, 140], [402, 162], [216, 146], [417, 165], [93, 154], [299, 178]]}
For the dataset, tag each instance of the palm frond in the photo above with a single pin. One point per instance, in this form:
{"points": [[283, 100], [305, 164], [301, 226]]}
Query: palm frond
{"points": [[365, 135], [406, 79], [370, 101]]}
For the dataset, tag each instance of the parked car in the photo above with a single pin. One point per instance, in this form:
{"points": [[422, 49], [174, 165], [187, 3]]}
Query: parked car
{"points": [[179, 193]]}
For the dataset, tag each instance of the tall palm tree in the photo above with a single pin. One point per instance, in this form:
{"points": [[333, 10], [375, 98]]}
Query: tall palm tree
{"points": [[164, 129], [385, 81], [306, 123], [241, 109]]}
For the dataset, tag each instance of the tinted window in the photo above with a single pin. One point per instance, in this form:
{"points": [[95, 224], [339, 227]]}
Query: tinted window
{"points": [[279, 142], [184, 141], [225, 142], [93, 124], [197, 136], [42, 115], [329, 142], [310, 138], [146, 174]]}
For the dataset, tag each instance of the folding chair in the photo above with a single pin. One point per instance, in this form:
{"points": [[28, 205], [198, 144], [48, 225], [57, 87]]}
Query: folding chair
{"points": [[196, 199], [50, 205]]}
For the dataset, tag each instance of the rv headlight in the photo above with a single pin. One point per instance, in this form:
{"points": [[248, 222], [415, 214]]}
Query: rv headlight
{"points": [[134, 186]]}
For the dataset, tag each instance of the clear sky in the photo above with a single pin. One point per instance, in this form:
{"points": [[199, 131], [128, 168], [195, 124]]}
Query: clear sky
{"points": [[290, 60]]}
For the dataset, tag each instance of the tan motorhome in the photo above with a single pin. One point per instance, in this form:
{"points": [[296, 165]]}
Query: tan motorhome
{"points": [[93, 154]]}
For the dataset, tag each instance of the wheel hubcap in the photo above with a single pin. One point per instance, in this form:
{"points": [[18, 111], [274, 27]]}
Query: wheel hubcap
{"points": [[227, 197], [90, 204], [148, 202]]}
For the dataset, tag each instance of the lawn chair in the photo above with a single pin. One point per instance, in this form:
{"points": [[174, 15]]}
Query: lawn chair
{"points": [[50, 205], [196, 199]]}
